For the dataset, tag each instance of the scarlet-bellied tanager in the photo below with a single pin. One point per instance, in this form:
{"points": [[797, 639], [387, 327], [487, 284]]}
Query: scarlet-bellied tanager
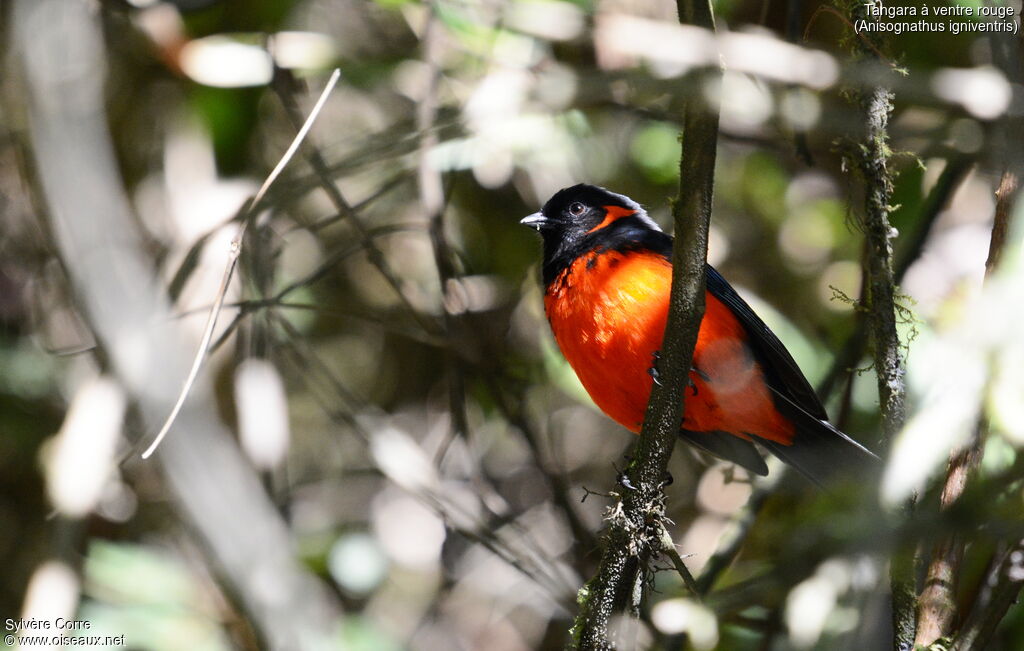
{"points": [[607, 274]]}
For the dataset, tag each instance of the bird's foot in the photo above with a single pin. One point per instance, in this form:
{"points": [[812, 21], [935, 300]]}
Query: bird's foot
{"points": [[623, 480], [699, 373], [653, 370]]}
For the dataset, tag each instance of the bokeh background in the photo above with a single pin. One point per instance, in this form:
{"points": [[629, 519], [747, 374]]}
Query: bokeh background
{"points": [[385, 449]]}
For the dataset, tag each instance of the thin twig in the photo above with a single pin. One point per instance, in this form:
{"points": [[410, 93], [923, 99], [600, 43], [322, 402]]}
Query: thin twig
{"points": [[233, 253], [385, 325], [527, 557], [191, 259], [386, 187], [283, 85], [331, 261], [379, 149], [668, 548], [736, 534]]}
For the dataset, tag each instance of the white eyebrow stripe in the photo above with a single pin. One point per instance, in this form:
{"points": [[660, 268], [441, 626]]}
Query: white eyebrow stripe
{"points": [[642, 215]]}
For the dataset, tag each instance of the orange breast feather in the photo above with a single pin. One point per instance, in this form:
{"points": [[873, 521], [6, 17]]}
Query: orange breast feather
{"points": [[608, 313]]}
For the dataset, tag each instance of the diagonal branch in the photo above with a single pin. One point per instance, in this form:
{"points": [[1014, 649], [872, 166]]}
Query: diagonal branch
{"points": [[1002, 590], [284, 84], [635, 527]]}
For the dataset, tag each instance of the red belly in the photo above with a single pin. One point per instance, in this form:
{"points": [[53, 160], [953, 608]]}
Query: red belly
{"points": [[608, 314]]}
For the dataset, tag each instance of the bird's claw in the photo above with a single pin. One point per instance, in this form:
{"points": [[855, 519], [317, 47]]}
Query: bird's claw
{"points": [[656, 376], [701, 374], [623, 480], [653, 370]]}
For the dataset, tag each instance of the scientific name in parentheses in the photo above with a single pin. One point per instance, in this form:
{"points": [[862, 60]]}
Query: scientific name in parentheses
{"points": [[932, 19], [59, 624]]}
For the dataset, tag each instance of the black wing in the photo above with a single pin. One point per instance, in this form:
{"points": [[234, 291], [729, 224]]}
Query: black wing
{"points": [[782, 373], [819, 451]]}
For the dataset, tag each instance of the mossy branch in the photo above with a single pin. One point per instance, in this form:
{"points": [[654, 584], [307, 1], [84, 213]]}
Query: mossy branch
{"points": [[634, 530], [871, 159]]}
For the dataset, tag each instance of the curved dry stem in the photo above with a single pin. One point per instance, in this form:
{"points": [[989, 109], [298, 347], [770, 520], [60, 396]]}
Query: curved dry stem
{"points": [[229, 269]]}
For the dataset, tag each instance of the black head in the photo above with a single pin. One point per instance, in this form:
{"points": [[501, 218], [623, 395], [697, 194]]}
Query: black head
{"points": [[584, 217]]}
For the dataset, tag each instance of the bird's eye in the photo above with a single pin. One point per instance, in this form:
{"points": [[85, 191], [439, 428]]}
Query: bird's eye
{"points": [[576, 208]]}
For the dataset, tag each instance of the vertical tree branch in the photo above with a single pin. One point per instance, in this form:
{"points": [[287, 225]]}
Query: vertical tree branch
{"points": [[881, 296], [888, 356], [936, 606], [872, 160], [1005, 196], [635, 525], [937, 603], [937, 614]]}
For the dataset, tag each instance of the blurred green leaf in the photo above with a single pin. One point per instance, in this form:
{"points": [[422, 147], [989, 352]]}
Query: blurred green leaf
{"points": [[150, 598], [655, 149]]}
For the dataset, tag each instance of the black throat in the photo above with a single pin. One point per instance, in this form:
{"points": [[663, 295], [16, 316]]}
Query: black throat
{"points": [[622, 235]]}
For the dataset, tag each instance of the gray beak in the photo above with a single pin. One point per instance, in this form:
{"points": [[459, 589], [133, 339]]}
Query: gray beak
{"points": [[535, 221]]}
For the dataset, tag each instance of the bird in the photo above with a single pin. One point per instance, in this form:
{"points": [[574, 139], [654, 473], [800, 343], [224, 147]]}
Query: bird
{"points": [[607, 275]]}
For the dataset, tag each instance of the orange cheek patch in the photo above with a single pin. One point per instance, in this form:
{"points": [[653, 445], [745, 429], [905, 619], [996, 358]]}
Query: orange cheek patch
{"points": [[611, 213]]}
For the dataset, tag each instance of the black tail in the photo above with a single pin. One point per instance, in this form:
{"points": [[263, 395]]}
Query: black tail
{"points": [[819, 451], [729, 447]]}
